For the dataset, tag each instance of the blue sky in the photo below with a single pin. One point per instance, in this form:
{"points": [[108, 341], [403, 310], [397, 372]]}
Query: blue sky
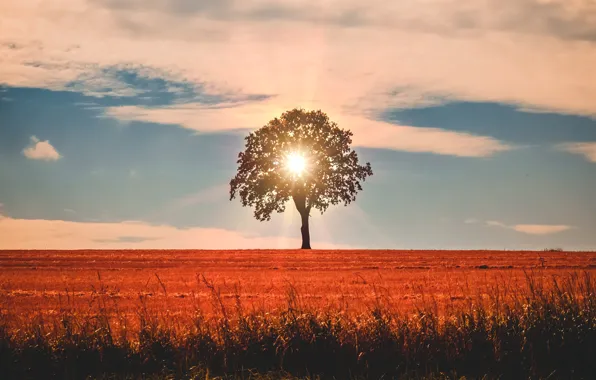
{"points": [[116, 133]]}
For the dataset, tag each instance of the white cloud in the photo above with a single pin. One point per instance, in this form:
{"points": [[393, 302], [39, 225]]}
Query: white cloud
{"points": [[425, 47], [367, 133], [375, 134], [345, 57], [571, 19], [588, 150], [540, 229], [41, 150], [50, 234], [494, 223], [199, 117], [531, 229]]}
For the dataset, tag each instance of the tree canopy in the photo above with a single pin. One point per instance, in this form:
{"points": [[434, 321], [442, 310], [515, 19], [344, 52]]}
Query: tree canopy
{"points": [[301, 155]]}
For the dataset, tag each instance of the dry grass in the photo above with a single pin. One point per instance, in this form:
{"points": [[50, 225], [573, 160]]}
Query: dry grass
{"points": [[36, 280], [390, 314]]}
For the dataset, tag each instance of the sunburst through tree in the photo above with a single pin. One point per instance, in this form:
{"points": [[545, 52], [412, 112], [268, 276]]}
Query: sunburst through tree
{"points": [[301, 155]]}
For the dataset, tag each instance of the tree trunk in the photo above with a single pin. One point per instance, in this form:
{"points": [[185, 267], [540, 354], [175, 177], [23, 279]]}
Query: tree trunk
{"points": [[304, 230], [300, 202]]}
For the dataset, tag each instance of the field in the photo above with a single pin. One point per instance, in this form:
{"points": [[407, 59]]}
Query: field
{"points": [[129, 294], [39, 280]]}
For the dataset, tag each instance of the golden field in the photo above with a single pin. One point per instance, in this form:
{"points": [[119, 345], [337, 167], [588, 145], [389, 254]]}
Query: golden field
{"points": [[33, 281], [272, 314]]}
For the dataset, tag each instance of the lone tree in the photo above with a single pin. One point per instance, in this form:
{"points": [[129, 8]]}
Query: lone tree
{"points": [[300, 155]]}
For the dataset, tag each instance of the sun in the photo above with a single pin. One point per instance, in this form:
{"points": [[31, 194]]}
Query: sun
{"points": [[296, 163]]}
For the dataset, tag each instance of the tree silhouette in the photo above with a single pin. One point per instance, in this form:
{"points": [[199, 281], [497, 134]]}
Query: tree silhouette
{"points": [[300, 155]]}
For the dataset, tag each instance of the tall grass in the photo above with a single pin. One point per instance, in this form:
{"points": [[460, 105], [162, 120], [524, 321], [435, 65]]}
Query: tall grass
{"points": [[545, 330]]}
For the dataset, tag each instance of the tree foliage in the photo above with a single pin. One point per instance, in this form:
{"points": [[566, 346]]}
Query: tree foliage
{"points": [[332, 173]]}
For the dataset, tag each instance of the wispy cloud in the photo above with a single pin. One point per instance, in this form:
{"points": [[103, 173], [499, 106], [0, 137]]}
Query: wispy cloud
{"points": [[564, 19], [531, 229], [373, 134], [540, 229], [102, 82], [367, 132], [349, 51], [588, 150], [199, 116], [41, 150], [49, 234], [494, 223]]}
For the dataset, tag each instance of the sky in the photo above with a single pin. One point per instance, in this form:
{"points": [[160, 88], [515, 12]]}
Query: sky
{"points": [[121, 121]]}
